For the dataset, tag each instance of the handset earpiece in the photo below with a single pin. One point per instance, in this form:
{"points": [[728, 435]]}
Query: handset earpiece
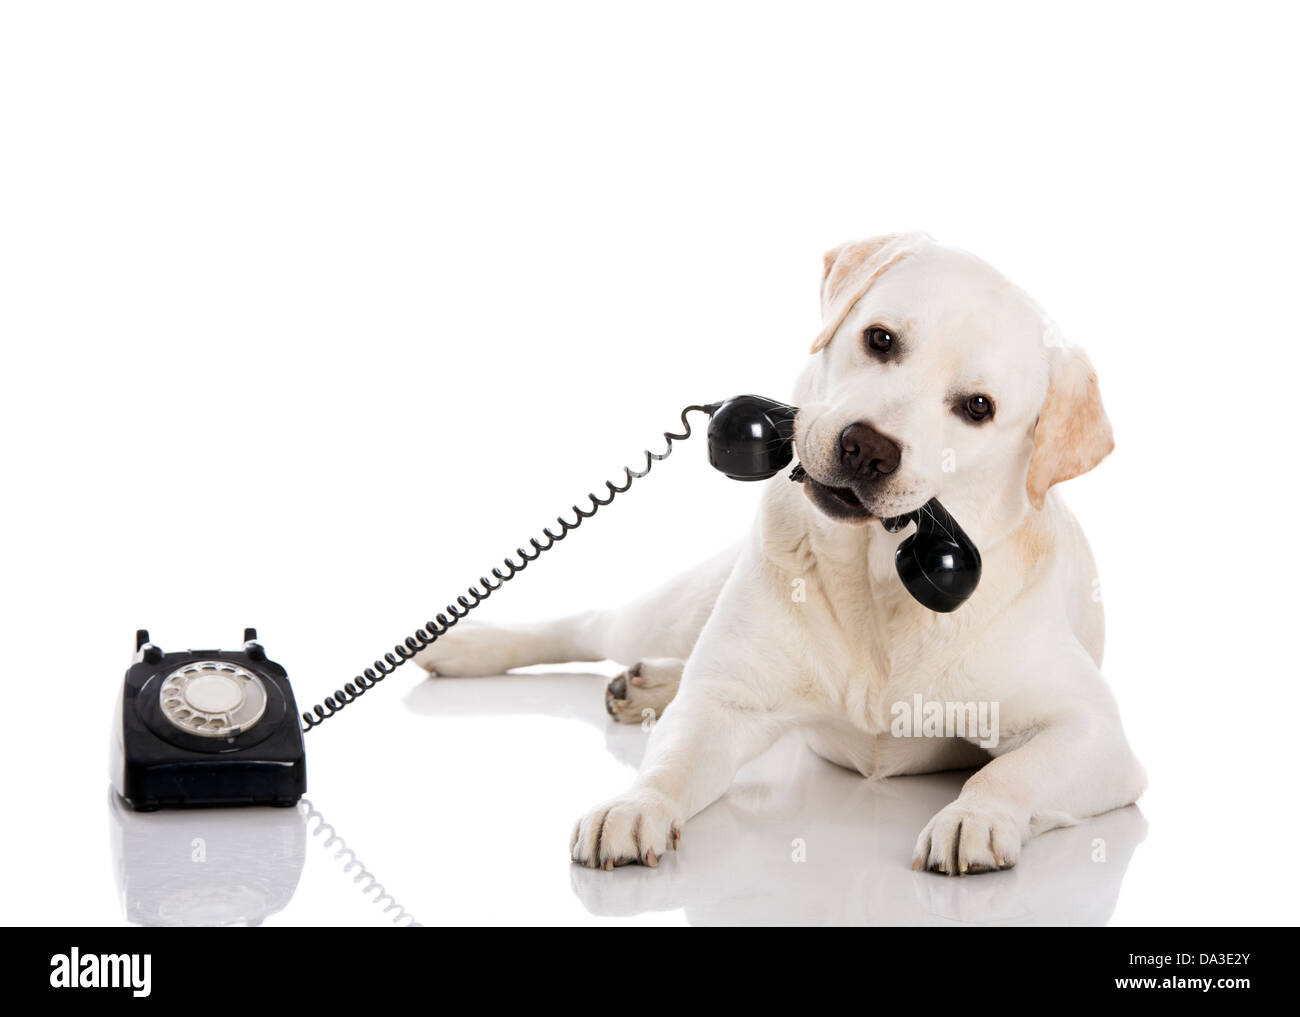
{"points": [[750, 437], [939, 564]]}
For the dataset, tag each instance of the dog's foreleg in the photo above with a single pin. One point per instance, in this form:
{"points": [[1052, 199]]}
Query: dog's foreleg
{"points": [[693, 753], [729, 708], [1071, 765]]}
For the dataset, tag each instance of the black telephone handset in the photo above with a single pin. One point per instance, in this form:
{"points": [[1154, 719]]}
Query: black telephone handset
{"points": [[751, 438], [220, 727]]}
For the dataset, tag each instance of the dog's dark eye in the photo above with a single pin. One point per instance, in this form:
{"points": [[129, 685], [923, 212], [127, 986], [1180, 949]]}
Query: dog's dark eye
{"points": [[878, 339], [978, 407]]}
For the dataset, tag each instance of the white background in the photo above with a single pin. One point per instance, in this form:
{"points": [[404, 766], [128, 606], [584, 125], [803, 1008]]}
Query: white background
{"points": [[311, 311]]}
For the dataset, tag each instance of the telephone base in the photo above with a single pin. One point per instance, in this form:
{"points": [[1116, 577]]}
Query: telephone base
{"points": [[197, 791], [205, 728]]}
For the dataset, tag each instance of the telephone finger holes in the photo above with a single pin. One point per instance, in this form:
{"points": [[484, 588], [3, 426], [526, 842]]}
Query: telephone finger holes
{"points": [[212, 698]]}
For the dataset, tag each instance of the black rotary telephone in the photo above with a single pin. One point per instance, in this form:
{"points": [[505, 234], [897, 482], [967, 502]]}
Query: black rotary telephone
{"points": [[219, 727]]}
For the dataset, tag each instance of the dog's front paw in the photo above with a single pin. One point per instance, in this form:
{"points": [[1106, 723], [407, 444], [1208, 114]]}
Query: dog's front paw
{"points": [[639, 826], [968, 837], [469, 649], [643, 691]]}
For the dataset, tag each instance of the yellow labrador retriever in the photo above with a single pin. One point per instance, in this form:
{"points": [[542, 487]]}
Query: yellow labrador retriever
{"points": [[933, 376]]}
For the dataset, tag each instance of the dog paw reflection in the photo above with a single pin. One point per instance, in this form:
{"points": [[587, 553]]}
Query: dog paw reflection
{"points": [[799, 841]]}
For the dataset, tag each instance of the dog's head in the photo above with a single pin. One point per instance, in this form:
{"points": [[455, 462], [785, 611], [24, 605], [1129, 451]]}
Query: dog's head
{"points": [[934, 376]]}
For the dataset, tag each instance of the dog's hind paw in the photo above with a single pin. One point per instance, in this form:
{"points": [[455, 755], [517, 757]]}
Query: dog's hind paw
{"points": [[471, 648], [642, 692]]}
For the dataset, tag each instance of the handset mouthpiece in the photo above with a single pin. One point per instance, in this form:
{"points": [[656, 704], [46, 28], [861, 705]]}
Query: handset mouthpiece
{"points": [[939, 564]]}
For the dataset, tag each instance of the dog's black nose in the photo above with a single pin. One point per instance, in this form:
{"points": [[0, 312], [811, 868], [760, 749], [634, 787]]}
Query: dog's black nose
{"points": [[864, 450]]}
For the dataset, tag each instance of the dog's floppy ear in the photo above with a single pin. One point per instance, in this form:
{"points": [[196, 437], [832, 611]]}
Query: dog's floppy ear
{"points": [[848, 272], [1073, 433]]}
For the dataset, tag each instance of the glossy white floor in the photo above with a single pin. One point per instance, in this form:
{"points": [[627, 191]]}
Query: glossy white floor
{"points": [[450, 801]]}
